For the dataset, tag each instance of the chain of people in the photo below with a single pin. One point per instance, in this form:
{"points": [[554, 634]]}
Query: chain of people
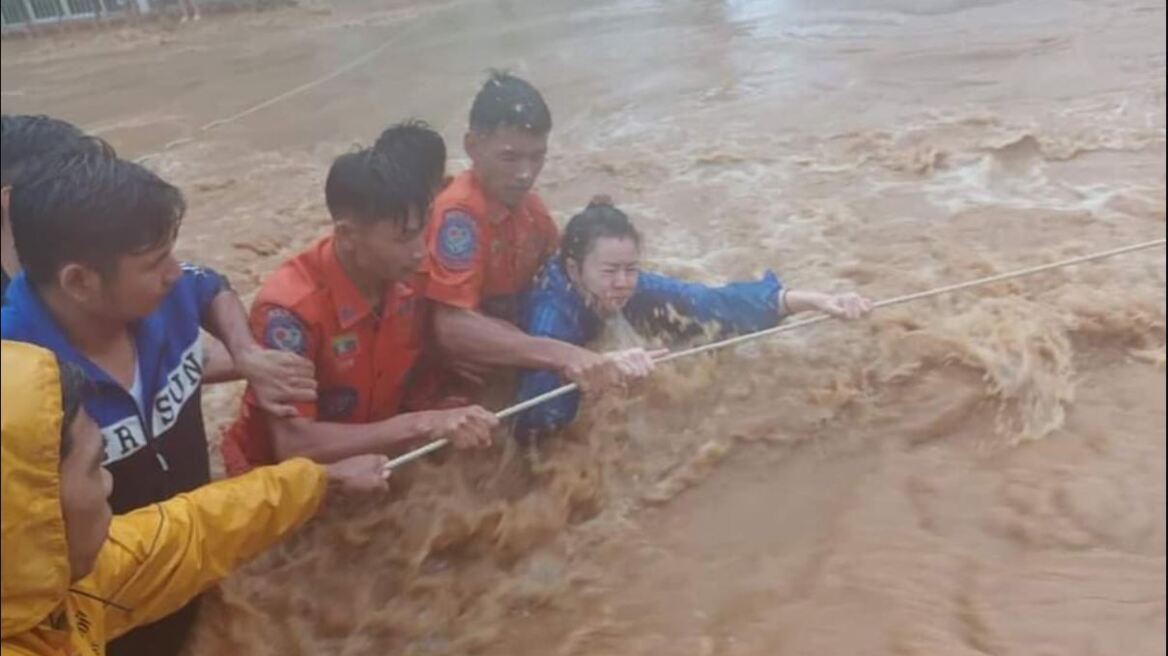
{"points": [[378, 337]]}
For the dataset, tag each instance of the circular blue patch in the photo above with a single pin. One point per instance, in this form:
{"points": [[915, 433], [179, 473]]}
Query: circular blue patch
{"points": [[458, 240], [285, 332]]}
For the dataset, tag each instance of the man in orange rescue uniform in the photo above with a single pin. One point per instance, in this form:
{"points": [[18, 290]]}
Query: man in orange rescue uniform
{"points": [[489, 234], [354, 304]]}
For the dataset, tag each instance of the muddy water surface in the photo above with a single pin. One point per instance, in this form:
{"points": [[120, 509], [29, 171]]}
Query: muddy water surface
{"points": [[977, 474]]}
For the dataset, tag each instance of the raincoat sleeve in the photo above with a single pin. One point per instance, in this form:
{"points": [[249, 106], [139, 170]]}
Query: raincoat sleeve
{"points": [[160, 557], [547, 319], [732, 309]]}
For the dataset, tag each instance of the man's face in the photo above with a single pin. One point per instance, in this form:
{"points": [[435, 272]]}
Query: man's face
{"points": [[85, 490], [507, 161], [608, 275], [391, 251], [137, 285]]}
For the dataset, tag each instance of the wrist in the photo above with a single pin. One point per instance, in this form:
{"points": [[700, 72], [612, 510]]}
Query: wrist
{"points": [[243, 356], [421, 426], [554, 354]]}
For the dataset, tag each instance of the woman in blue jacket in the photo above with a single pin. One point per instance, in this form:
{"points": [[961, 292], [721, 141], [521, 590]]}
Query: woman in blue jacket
{"points": [[596, 275]]}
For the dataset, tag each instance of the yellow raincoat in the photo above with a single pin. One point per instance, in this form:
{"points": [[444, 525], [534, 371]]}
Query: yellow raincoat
{"points": [[156, 558]]}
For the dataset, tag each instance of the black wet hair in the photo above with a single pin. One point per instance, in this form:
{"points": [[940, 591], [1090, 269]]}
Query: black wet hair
{"points": [[599, 219], [416, 146], [26, 137], [509, 101], [91, 208], [369, 186], [75, 386]]}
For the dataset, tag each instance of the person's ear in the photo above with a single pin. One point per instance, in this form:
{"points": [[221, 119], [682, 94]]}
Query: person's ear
{"points": [[572, 268], [79, 283], [472, 143], [346, 233]]}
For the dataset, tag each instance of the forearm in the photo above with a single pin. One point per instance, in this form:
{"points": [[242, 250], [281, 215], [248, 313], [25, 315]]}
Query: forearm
{"points": [[218, 365], [227, 321], [326, 442], [468, 335], [796, 301]]}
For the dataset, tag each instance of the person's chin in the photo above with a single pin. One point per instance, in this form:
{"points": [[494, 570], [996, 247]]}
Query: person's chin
{"points": [[515, 195], [610, 310]]}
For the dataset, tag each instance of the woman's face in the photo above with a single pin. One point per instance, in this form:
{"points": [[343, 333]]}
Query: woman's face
{"points": [[608, 275]]}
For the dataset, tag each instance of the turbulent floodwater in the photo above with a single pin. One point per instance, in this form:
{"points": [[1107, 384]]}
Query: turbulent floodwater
{"points": [[982, 473]]}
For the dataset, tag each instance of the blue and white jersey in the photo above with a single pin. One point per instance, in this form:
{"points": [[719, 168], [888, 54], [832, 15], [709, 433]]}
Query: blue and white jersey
{"points": [[160, 449]]}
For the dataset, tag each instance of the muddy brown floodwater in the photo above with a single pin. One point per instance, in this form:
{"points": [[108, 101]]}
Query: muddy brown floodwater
{"points": [[978, 474]]}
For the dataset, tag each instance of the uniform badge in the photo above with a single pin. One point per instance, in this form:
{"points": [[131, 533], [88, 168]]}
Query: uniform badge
{"points": [[337, 403], [285, 332], [345, 345], [458, 240]]}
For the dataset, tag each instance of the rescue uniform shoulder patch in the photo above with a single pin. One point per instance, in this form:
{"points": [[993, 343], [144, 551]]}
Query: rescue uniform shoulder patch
{"points": [[458, 240], [285, 331]]}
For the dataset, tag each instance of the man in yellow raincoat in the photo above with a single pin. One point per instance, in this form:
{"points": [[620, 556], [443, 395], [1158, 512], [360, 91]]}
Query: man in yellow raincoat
{"points": [[74, 577]]}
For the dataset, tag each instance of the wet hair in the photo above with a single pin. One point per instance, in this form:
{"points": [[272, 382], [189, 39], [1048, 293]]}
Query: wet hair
{"points": [[416, 146], [24, 138], [369, 186], [599, 219], [75, 386], [508, 101], [91, 208]]}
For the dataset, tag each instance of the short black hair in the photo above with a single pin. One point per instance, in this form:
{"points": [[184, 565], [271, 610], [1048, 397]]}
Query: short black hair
{"points": [[25, 137], [92, 208], [416, 146], [369, 186], [599, 219], [509, 101], [75, 386]]}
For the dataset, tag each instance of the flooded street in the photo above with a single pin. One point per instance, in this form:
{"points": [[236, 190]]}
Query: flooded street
{"points": [[980, 473]]}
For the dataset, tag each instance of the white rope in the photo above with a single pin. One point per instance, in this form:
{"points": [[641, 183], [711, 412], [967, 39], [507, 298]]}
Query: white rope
{"points": [[795, 325], [345, 68]]}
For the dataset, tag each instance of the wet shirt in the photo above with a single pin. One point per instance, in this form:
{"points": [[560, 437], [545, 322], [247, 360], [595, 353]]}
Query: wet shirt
{"points": [[659, 305], [364, 355], [160, 449], [482, 255]]}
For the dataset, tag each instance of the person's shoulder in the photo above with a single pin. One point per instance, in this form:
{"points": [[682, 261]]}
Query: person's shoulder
{"points": [[297, 285], [552, 294], [196, 279], [463, 195], [12, 323], [20, 319]]}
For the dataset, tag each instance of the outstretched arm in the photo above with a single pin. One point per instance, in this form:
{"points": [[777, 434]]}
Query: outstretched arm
{"points": [[159, 557]]}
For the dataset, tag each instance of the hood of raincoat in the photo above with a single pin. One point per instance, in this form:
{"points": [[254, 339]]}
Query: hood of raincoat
{"points": [[33, 558]]}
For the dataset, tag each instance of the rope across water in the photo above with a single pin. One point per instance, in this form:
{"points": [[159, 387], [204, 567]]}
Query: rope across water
{"points": [[795, 325]]}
